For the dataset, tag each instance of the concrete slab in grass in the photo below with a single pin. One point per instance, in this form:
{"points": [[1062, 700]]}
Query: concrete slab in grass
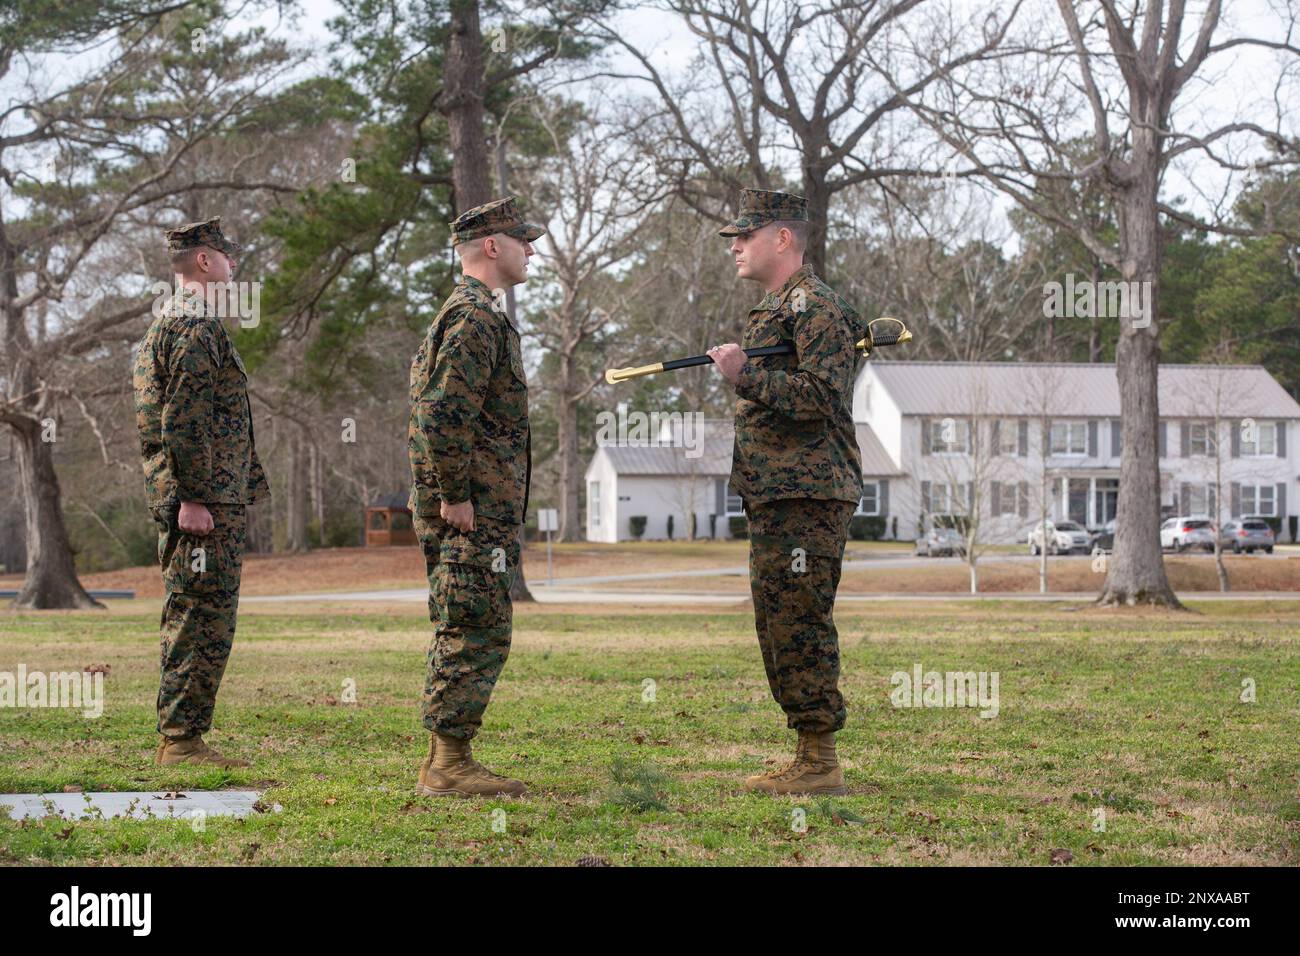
{"points": [[140, 805]]}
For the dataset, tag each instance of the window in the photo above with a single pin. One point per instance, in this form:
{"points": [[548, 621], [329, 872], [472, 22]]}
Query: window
{"points": [[870, 503], [1009, 436], [1004, 498], [1201, 441], [733, 505], [1259, 500], [1200, 500], [943, 499], [1259, 438], [949, 436], [1069, 438], [593, 504]]}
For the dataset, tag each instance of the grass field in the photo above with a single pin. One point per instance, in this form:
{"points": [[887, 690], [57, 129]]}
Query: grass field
{"points": [[1137, 714]]}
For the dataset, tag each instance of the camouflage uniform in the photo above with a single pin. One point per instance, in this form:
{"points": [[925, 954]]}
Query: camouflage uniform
{"points": [[196, 439], [469, 440], [797, 467]]}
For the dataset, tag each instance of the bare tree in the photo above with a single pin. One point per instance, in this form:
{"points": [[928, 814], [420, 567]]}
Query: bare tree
{"points": [[1125, 69], [593, 186], [816, 88]]}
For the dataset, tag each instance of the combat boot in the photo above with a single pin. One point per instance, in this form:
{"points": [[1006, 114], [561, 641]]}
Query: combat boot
{"points": [[814, 770], [453, 772], [175, 750]]}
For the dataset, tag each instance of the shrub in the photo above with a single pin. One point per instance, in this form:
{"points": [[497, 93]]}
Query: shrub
{"points": [[738, 525], [636, 525], [670, 527], [864, 527]]}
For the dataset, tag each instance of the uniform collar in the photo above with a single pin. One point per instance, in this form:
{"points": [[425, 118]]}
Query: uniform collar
{"points": [[477, 289], [773, 300]]}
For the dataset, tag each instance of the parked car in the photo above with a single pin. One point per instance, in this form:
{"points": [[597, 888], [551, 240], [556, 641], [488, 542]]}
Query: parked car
{"points": [[940, 541], [1061, 537], [1187, 531], [1247, 534], [1105, 538]]}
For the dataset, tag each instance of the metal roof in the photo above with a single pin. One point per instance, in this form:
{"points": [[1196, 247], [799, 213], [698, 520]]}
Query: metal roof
{"points": [[647, 459], [876, 462], [1076, 389]]}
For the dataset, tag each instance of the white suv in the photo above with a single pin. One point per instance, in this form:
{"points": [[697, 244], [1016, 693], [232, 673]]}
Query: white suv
{"points": [[1062, 536]]}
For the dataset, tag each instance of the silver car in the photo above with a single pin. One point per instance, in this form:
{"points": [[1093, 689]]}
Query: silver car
{"points": [[1247, 534], [940, 541], [1182, 533]]}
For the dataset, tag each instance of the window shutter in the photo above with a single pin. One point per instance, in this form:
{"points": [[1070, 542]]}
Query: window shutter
{"points": [[925, 437], [719, 496], [1236, 499], [1281, 499], [925, 497], [970, 497], [1024, 499], [1184, 493], [1236, 438], [1092, 438], [1115, 434], [995, 430], [995, 490], [1212, 494], [1280, 442], [883, 499], [1164, 439], [1024, 438], [1184, 439]]}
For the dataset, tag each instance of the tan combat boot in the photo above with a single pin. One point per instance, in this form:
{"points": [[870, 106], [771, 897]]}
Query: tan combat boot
{"points": [[814, 769], [452, 771], [174, 750]]}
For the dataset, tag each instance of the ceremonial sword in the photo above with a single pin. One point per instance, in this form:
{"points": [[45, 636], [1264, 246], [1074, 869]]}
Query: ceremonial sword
{"points": [[893, 333]]}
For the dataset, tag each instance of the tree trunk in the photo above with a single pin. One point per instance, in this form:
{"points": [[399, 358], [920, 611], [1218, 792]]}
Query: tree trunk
{"points": [[462, 104], [51, 574], [818, 196], [570, 465], [296, 495], [1136, 571]]}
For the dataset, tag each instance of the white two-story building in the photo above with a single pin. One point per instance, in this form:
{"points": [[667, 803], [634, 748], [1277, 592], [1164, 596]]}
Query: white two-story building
{"points": [[1000, 439]]}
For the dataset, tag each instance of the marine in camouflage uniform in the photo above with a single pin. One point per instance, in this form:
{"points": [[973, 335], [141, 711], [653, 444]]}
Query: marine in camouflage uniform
{"points": [[196, 440], [469, 441], [797, 467]]}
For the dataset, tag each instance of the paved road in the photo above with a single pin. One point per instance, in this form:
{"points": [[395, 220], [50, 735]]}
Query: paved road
{"points": [[586, 590], [558, 595]]}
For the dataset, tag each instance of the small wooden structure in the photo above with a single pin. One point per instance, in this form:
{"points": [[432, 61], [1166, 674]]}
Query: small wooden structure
{"points": [[388, 523]]}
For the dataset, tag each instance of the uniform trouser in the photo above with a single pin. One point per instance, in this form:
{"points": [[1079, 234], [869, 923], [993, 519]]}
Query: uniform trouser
{"points": [[796, 549], [201, 575], [470, 574]]}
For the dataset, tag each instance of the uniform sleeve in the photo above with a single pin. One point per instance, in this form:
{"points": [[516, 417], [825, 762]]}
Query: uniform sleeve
{"points": [[445, 412], [187, 413], [824, 345]]}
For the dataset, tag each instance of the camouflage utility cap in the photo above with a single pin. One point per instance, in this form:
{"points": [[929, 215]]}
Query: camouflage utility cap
{"points": [[499, 215], [758, 207], [208, 233]]}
